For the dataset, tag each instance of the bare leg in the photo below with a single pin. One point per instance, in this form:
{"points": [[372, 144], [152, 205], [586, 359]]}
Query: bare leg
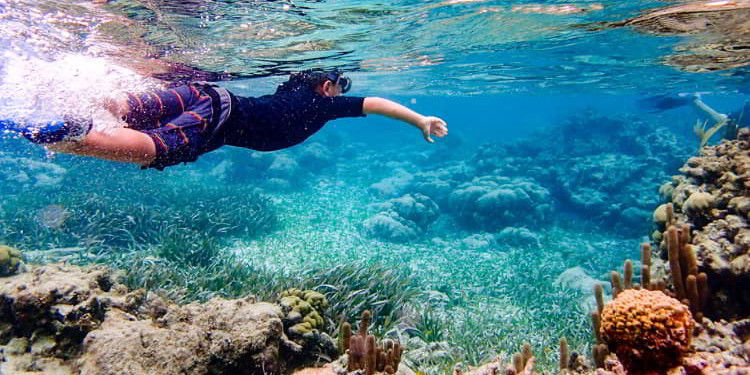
{"points": [[698, 103], [123, 145], [140, 112]]}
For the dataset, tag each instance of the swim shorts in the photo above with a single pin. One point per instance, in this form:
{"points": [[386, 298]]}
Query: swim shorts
{"points": [[183, 122]]}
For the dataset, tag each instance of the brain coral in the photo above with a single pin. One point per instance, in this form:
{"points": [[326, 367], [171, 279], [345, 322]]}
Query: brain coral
{"points": [[302, 310], [647, 327], [698, 202], [10, 260]]}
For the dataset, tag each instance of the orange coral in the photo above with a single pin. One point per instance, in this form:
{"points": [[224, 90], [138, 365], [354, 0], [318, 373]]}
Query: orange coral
{"points": [[647, 328]]}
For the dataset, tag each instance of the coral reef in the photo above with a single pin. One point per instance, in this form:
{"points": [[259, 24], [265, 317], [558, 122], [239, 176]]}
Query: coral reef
{"points": [[645, 331], [718, 348], [477, 241], [595, 166], [80, 326], [689, 286], [598, 166], [597, 178], [710, 199], [283, 170], [302, 307], [288, 169], [438, 184], [393, 185], [721, 348], [390, 226], [402, 219], [494, 202]]}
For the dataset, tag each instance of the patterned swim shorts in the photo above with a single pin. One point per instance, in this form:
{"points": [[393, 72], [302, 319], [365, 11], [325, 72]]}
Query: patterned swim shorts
{"points": [[181, 122]]}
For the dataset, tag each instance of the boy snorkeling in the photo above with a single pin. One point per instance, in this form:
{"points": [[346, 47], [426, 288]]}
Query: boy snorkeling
{"points": [[169, 127], [730, 122]]}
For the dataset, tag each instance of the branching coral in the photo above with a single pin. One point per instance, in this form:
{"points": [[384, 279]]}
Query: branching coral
{"points": [[365, 354], [522, 363], [690, 286]]}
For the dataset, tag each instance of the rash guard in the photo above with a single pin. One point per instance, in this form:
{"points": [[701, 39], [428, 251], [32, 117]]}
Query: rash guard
{"points": [[284, 119]]}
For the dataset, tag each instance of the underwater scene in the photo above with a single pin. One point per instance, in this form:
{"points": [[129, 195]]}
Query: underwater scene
{"points": [[587, 213]]}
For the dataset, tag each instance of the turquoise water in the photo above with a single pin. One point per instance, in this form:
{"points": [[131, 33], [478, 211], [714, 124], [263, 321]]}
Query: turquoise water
{"points": [[554, 160]]}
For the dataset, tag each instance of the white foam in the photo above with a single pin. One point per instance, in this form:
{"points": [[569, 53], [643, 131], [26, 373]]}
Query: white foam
{"points": [[35, 90], [105, 121]]}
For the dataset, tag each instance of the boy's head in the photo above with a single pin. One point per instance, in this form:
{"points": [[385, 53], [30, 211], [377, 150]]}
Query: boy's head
{"points": [[324, 83], [334, 83]]}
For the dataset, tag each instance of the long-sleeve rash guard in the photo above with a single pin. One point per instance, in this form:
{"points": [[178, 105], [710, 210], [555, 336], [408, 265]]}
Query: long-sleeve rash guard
{"points": [[284, 119]]}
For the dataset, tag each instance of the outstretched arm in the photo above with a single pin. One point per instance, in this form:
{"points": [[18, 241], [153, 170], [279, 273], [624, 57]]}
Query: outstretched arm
{"points": [[428, 125]]}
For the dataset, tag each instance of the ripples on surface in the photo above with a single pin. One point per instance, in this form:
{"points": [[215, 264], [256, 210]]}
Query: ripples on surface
{"points": [[448, 47]]}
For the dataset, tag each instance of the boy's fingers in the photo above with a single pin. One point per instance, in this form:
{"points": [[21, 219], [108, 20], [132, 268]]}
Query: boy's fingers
{"points": [[427, 137]]}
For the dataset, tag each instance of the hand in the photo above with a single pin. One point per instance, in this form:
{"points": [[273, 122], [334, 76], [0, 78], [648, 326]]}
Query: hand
{"points": [[117, 106], [433, 126]]}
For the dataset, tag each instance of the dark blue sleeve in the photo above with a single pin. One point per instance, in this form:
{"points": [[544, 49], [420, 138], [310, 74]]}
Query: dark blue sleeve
{"points": [[330, 108]]}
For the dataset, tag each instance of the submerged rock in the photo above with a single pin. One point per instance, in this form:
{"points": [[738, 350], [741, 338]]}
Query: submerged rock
{"points": [[220, 336], [577, 279], [67, 319]]}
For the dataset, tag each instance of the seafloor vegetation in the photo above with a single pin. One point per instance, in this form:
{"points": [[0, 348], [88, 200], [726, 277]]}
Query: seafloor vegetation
{"points": [[461, 262]]}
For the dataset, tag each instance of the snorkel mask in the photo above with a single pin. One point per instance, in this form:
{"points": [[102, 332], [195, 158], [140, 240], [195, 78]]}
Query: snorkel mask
{"points": [[337, 78]]}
